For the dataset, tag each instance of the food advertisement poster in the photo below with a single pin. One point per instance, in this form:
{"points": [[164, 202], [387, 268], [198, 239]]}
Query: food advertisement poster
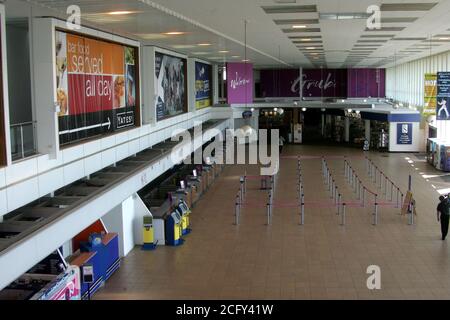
{"points": [[170, 86], [96, 86], [430, 95], [203, 85]]}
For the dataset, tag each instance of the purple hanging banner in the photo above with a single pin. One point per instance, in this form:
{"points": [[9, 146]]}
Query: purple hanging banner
{"points": [[239, 83]]}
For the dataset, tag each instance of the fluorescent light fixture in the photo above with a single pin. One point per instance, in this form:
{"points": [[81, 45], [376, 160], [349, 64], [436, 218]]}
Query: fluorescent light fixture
{"points": [[224, 51], [204, 44], [200, 53], [183, 46], [444, 38], [246, 60], [175, 33], [298, 26], [306, 39], [118, 13], [235, 57], [310, 48]]}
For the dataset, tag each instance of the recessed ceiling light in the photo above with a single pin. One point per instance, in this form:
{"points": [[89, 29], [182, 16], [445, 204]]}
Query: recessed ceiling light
{"points": [[183, 46], [174, 33], [151, 36], [296, 26], [117, 13], [204, 44]]}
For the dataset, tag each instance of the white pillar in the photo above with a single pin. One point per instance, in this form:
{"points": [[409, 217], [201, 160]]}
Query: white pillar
{"points": [[347, 130], [367, 125]]}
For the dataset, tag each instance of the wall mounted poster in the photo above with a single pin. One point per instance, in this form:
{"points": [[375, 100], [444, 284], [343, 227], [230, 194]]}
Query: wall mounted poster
{"points": [[97, 87], [170, 86], [203, 88], [430, 94], [404, 133], [443, 96]]}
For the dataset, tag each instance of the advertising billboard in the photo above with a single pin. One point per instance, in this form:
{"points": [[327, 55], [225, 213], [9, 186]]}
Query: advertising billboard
{"points": [[443, 96], [203, 85], [97, 86], [239, 82], [430, 94], [170, 86]]}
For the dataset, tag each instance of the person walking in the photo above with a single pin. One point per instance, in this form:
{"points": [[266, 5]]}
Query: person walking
{"points": [[443, 215], [281, 143]]}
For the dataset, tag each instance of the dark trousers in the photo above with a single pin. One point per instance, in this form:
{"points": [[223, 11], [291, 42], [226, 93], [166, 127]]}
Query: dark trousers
{"points": [[281, 149], [445, 219]]}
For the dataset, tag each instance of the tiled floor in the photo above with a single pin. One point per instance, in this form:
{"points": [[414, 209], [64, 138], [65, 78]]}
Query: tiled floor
{"points": [[320, 260]]}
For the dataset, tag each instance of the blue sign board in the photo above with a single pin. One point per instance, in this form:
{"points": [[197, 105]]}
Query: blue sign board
{"points": [[443, 96], [404, 133], [203, 85]]}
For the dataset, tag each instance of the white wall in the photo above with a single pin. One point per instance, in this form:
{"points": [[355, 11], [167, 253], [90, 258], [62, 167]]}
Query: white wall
{"points": [[417, 139]]}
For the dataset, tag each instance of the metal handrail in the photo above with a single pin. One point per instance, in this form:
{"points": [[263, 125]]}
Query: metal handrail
{"points": [[21, 141], [23, 124]]}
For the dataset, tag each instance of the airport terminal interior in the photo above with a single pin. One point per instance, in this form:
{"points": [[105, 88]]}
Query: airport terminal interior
{"points": [[224, 150]]}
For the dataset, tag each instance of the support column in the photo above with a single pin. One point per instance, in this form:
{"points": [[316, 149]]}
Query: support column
{"points": [[347, 130]]}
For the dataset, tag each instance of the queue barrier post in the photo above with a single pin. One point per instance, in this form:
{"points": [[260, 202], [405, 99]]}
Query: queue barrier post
{"points": [[411, 214], [237, 212], [364, 197], [375, 214], [401, 199], [302, 211], [339, 204], [398, 193], [343, 215]]}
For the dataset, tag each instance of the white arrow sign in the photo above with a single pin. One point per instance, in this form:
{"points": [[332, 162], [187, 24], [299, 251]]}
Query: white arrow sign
{"points": [[88, 127]]}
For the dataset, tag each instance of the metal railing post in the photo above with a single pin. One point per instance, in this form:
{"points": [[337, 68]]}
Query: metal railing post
{"points": [[375, 215], [237, 212], [302, 210], [343, 214]]}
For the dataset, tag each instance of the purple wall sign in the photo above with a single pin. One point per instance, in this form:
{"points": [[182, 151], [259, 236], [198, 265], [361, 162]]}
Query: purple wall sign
{"points": [[363, 83], [240, 83], [340, 83]]}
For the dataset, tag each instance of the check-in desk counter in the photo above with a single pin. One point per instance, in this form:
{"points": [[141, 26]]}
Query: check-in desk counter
{"points": [[194, 183], [167, 225], [104, 258]]}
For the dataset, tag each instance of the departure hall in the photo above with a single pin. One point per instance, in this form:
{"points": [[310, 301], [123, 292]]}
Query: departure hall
{"points": [[224, 150]]}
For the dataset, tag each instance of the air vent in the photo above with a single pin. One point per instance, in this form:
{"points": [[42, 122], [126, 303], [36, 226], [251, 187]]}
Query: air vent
{"points": [[289, 9], [386, 29], [301, 30], [398, 20], [343, 16], [408, 39], [378, 36], [296, 21], [372, 41], [407, 6]]}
